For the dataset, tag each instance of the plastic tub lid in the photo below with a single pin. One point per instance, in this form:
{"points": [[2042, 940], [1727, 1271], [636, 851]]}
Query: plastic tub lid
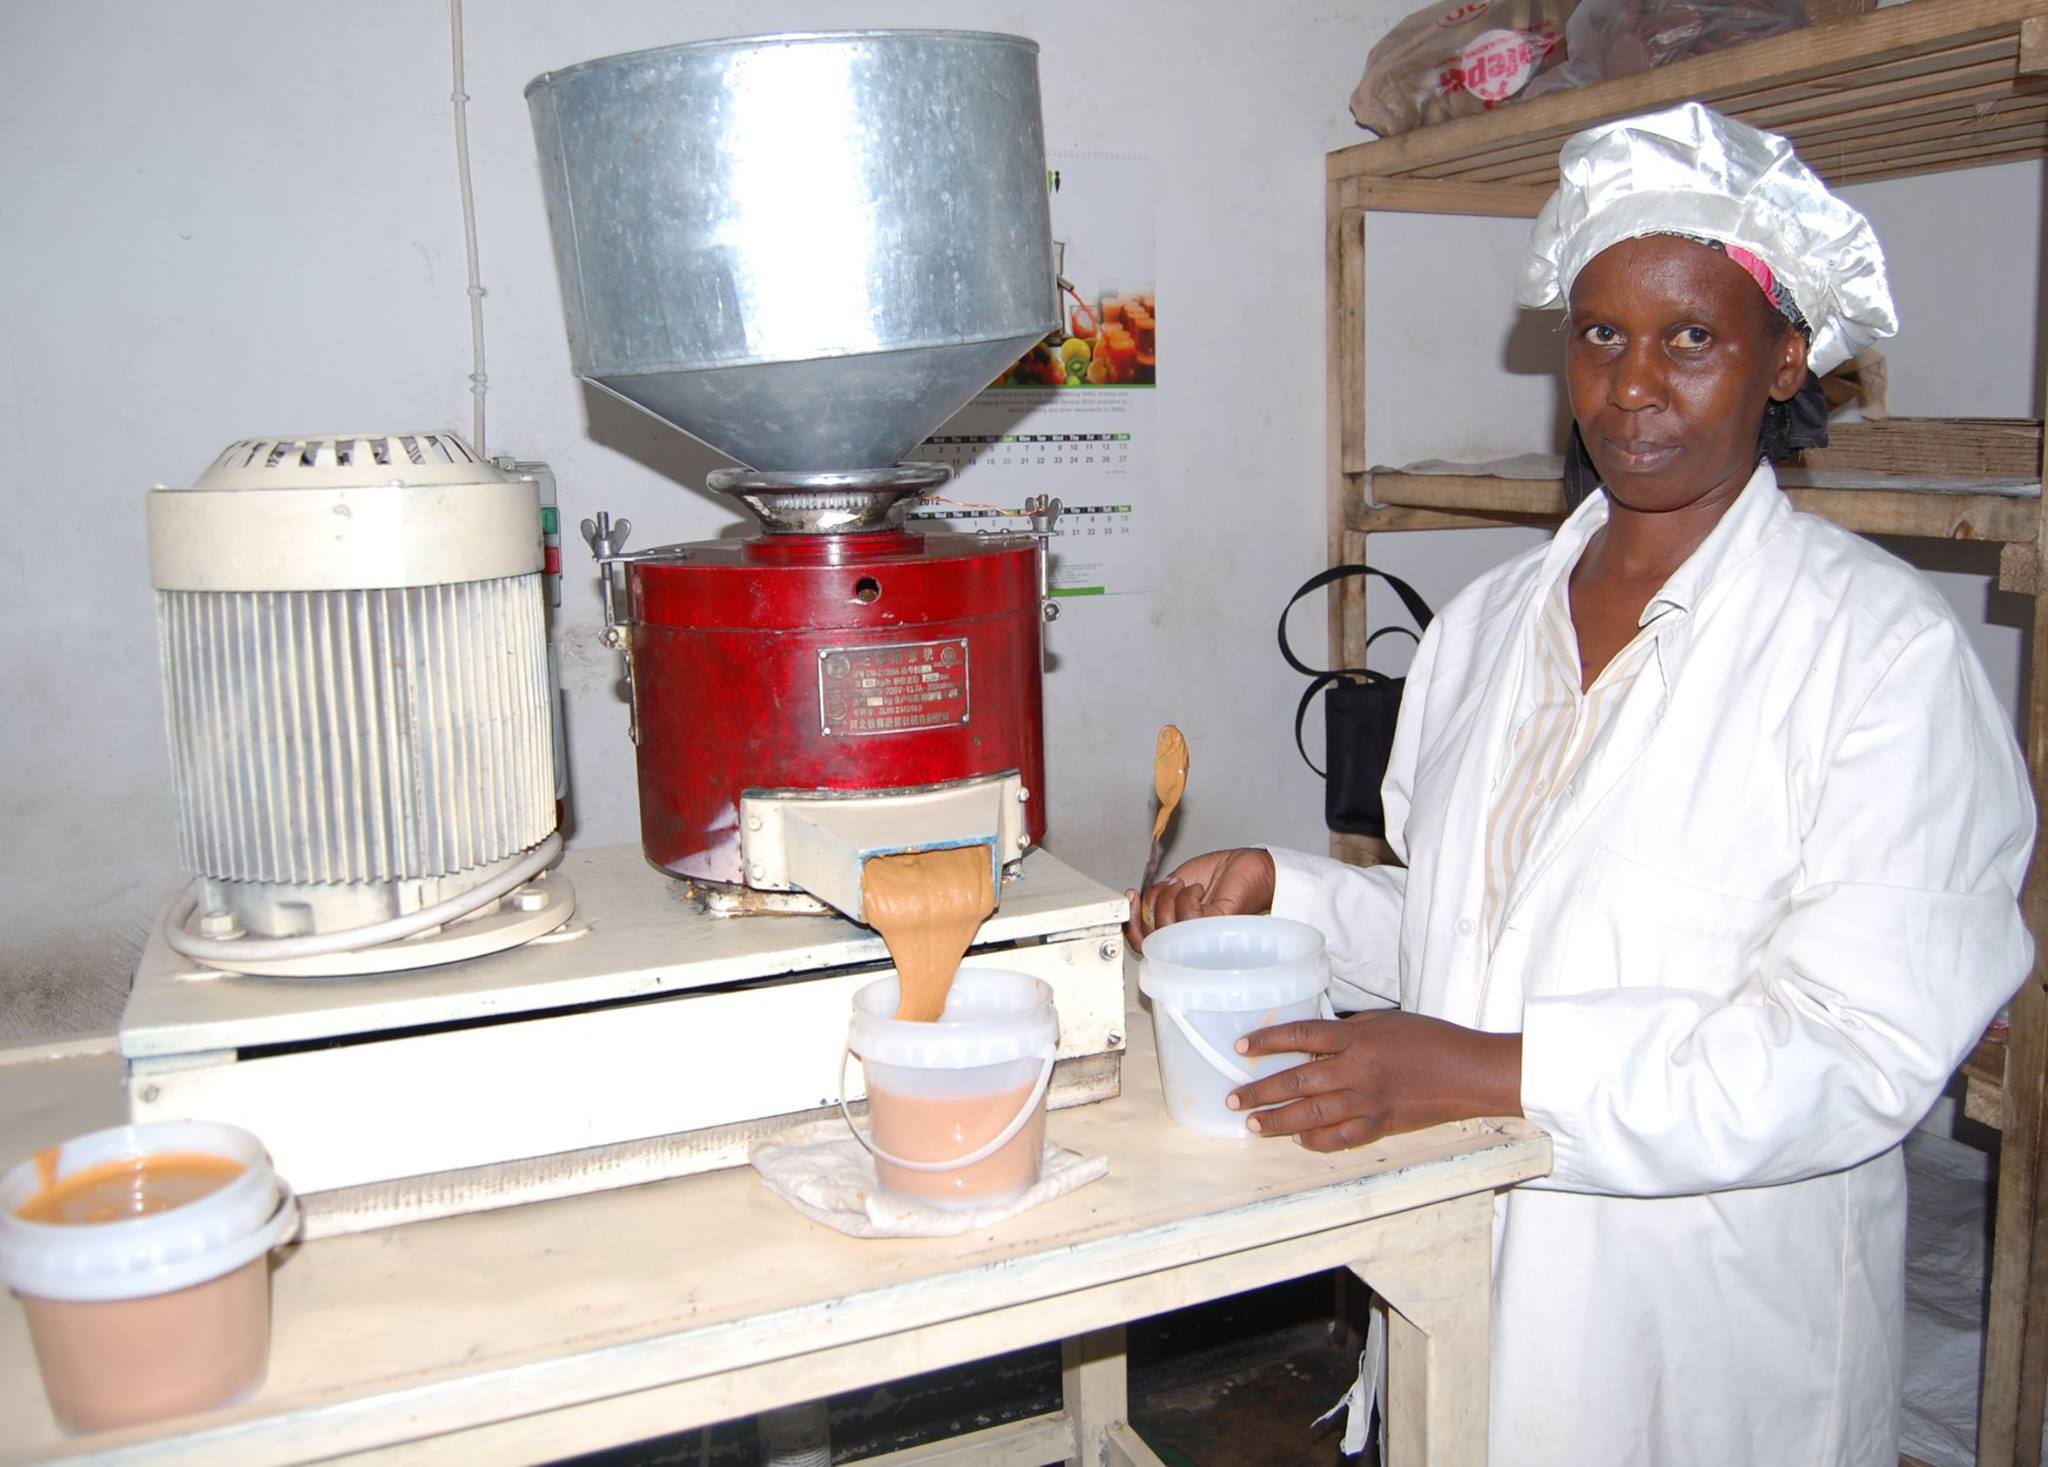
{"points": [[1232, 963], [992, 1015], [157, 1253]]}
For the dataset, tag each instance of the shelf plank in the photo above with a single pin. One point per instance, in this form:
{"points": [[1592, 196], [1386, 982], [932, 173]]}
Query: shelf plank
{"points": [[1387, 519], [1870, 508], [1984, 1081], [1434, 196], [1894, 131], [1966, 153], [1481, 494], [2027, 133], [2002, 447], [1872, 81], [1821, 107]]}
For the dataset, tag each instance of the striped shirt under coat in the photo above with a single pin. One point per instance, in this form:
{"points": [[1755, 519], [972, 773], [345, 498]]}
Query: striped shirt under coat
{"points": [[1551, 740]]}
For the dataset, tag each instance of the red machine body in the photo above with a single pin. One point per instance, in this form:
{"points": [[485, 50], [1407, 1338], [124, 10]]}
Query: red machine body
{"points": [[853, 662]]}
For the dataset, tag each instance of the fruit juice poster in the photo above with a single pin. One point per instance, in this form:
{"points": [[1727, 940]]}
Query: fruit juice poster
{"points": [[1073, 417]]}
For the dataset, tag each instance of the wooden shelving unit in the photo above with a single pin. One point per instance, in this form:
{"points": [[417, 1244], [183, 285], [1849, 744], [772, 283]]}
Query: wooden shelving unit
{"points": [[1928, 86]]}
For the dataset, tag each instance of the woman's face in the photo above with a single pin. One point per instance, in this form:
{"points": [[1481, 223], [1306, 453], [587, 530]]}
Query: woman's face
{"points": [[1674, 351]]}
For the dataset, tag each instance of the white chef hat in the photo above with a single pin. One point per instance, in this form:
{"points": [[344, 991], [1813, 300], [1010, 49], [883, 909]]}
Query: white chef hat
{"points": [[1690, 171]]}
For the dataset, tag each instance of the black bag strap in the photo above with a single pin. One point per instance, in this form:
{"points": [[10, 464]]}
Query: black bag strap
{"points": [[1326, 679], [1410, 598]]}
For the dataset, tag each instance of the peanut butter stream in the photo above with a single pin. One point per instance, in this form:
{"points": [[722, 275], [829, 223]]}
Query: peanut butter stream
{"points": [[927, 905]]}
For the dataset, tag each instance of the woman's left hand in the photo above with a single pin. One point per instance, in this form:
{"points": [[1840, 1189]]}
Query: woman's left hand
{"points": [[1378, 1073]]}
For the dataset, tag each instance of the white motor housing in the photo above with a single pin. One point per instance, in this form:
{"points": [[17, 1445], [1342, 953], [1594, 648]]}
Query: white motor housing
{"points": [[355, 677]]}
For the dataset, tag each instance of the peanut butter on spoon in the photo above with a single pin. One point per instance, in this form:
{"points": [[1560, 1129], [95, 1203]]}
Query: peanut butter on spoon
{"points": [[1169, 783]]}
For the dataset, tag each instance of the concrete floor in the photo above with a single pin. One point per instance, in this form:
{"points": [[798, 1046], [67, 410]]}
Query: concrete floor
{"points": [[1236, 1383]]}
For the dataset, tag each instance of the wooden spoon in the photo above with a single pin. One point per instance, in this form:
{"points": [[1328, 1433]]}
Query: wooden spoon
{"points": [[1169, 782]]}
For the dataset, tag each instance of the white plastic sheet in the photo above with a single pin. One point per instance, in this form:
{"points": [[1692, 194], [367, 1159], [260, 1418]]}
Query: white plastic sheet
{"points": [[1948, 1229]]}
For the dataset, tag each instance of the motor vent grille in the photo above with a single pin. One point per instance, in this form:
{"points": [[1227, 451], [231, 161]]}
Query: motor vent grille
{"points": [[326, 460], [357, 735]]}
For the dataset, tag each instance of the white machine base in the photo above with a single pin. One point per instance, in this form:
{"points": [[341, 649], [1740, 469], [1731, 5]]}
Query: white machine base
{"points": [[659, 1043], [537, 909]]}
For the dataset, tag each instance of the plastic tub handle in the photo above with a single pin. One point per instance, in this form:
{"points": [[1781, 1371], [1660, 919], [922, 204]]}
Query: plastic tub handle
{"points": [[980, 1153], [1217, 1060]]}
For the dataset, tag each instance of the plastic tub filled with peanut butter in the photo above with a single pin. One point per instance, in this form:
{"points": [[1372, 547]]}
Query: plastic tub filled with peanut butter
{"points": [[141, 1255], [958, 1106]]}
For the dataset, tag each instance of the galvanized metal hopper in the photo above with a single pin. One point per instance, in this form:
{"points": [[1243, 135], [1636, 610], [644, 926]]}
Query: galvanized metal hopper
{"points": [[805, 250]]}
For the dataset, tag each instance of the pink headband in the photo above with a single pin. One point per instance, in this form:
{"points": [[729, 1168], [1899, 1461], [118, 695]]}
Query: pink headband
{"points": [[1758, 270]]}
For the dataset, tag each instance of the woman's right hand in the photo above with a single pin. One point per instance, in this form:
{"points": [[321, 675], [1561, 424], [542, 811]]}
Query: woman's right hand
{"points": [[1220, 884]]}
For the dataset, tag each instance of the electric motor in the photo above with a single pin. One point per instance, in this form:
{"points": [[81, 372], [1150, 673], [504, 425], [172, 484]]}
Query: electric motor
{"points": [[355, 676]]}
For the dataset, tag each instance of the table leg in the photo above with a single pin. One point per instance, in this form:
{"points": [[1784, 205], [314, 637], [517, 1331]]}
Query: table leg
{"points": [[1093, 1384], [1438, 1284]]}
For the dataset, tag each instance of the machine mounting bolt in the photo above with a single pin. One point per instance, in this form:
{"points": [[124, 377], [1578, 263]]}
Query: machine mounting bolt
{"points": [[1023, 796], [529, 899], [219, 924], [753, 822], [149, 1094], [758, 873], [1110, 950]]}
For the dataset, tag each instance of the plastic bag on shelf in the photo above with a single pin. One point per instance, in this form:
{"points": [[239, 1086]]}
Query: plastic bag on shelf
{"points": [[1457, 57], [1862, 380], [1610, 38]]}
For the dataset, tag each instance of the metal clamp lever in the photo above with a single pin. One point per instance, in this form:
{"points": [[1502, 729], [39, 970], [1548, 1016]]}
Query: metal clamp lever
{"points": [[607, 540], [678, 551], [1045, 513]]}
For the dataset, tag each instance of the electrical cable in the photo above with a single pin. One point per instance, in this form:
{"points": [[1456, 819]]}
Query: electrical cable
{"points": [[479, 380], [322, 944]]}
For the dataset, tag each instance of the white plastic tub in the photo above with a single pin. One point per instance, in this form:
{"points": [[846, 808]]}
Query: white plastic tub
{"points": [[152, 1316], [1213, 980], [958, 1105]]}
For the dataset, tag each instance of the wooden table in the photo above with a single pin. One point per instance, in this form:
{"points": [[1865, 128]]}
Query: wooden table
{"points": [[555, 1328]]}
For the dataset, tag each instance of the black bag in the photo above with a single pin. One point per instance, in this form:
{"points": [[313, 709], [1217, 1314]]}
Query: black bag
{"points": [[1358, 713]]}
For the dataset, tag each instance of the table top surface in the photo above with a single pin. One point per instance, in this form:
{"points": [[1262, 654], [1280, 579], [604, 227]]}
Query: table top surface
{"points": [[432, 1326]]}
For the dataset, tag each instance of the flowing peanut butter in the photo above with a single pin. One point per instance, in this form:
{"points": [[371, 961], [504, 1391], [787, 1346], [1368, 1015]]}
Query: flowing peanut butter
{"points": [[927, 905], [129, 1186]]}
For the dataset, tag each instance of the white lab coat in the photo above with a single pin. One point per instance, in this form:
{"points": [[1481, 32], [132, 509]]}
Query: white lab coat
{"points": [[1746, 950]]}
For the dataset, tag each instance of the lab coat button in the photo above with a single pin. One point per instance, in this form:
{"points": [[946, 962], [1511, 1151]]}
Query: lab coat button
{"points": [[1464, 927]]}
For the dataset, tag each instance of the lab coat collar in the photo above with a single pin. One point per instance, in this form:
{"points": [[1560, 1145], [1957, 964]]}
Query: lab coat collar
{"points": [[1757, 514]]}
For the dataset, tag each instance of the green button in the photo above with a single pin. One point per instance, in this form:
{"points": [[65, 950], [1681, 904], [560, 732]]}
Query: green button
{"points": [[549, 525]]}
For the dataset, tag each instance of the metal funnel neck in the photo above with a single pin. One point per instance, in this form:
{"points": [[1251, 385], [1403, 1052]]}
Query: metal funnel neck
{"points": [[850, 503]]}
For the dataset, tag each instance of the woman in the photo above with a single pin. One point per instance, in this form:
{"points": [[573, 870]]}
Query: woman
{"points": [[1713, 834]]}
